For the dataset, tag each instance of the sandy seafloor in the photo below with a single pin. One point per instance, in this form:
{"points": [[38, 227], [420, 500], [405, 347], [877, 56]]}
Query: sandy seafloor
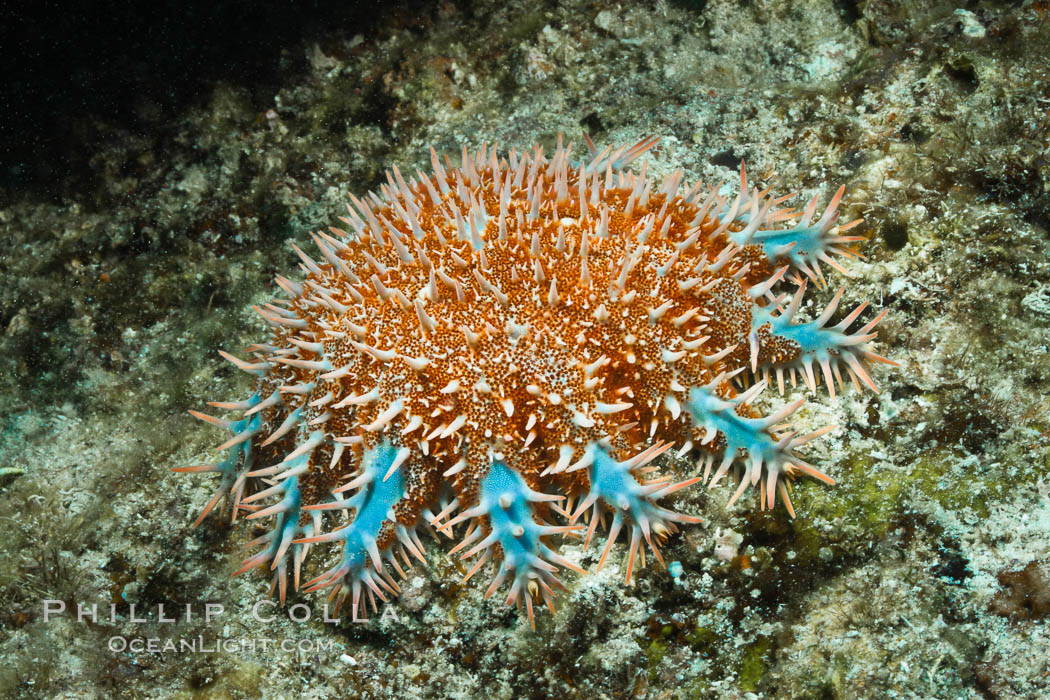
{"points": [[900, 581]]}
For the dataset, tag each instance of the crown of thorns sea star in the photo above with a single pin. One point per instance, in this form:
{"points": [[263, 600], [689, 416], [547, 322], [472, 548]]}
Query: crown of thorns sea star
{"points": [[505, 347]]}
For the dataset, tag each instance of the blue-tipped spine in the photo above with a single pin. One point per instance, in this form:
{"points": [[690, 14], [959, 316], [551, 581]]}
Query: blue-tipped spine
{"points": [[832, 348], [504, 516], [632, 502], [360, 566], [750, 440]]}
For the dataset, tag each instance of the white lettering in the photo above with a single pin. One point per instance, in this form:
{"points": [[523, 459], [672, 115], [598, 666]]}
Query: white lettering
{"points": [[209, 610], [53, 607], [82, 612], [135, 619], [292, 616], [160, 614], [258, 606]]}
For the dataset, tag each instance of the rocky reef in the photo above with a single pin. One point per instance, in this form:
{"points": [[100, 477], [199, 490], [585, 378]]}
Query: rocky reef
{"points": [[922, 572]]}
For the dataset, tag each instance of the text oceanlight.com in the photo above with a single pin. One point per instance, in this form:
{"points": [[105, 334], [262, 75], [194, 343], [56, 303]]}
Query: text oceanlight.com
{"points": [[200, 645]]}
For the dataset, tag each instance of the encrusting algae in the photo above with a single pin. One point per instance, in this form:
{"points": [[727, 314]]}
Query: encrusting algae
{"points": [[508, 346]]}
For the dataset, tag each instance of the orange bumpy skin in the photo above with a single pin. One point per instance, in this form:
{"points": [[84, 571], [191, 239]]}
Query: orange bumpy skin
{"points": [[506, 345]]}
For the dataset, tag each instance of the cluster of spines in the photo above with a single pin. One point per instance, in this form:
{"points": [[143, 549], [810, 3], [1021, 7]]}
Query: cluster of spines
{"points": [[379, 487], [831, 348], [504, 500], [502, 519]]}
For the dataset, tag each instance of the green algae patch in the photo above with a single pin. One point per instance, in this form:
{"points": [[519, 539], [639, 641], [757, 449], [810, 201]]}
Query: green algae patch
{"points": [[232, 678], [701, 639], [753, 665], [654, 655], [936, 474], [874, 495], [865, 495], [698, 690], [807, 540]]}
